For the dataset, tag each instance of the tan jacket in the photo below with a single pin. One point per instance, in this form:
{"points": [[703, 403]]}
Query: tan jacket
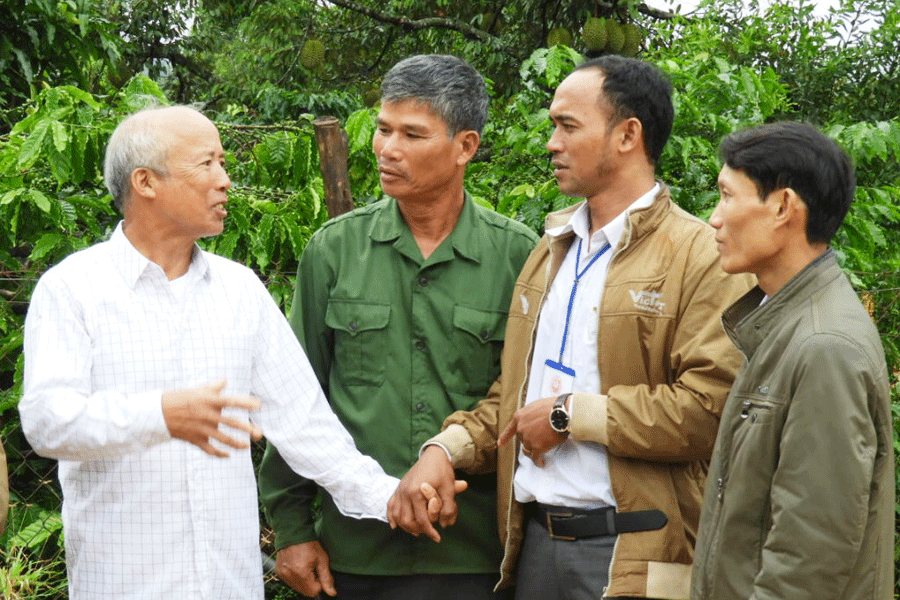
{"points": [[665, 367]]}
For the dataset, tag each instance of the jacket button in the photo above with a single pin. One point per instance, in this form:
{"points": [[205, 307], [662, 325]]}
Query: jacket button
{"points": [[353, 326], [763, 389], [420, 406], [420, 344], [485, 335], [423, 281]]}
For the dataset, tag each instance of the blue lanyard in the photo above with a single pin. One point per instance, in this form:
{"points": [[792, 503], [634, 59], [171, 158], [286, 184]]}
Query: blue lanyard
{"points": [[578, 277]]}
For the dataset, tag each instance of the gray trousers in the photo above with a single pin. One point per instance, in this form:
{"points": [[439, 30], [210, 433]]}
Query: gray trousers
{"points": [[562, 570]]}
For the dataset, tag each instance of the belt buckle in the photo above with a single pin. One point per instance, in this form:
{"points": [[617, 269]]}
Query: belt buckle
{"points": [[553, 536]]}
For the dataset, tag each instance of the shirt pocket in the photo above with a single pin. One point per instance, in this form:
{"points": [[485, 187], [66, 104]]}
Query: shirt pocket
{"points": [[360, 340], [478, 341]]}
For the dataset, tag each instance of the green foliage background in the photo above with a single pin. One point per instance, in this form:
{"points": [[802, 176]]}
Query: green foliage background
{"points": [[60, 98]]}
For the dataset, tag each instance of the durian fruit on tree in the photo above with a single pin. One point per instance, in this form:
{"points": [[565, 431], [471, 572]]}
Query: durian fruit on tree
{"points": [[312, 55], [559, 35], [633, 38], [594, 34], [615, 36]]}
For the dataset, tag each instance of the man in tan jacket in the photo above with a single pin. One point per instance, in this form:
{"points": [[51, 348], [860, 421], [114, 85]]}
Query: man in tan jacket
{"points": [[615, 368]]}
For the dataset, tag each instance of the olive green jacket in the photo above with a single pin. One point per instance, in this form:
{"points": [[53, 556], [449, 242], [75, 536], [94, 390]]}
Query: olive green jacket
{"points": [[800, 501]]}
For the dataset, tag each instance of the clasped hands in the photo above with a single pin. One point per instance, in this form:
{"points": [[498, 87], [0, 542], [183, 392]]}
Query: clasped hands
{"points": [[426, 493]]}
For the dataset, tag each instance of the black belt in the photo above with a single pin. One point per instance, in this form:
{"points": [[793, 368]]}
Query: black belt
{"points": [[572, 524]]}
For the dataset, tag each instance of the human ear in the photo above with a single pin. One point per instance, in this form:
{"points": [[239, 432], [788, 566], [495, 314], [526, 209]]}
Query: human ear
{"points": [[632, 134], [143, 182], [468, 141], [788, 208]]}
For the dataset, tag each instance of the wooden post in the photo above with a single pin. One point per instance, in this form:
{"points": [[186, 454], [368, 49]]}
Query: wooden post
{"points": [[332, 143]]}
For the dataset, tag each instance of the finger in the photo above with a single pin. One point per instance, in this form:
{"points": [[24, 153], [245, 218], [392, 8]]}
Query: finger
{"points": [[434, 502], [421, 515], [244, 402], [325, 577], [392, 510], [434, 509], [217, 387], [210, 449], [250, 428], [229, 441], [460, 485], [507, 434]]}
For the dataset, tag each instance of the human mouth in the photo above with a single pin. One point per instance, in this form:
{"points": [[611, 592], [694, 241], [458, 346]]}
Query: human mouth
{"points": [[387, 174], [220, 209]]}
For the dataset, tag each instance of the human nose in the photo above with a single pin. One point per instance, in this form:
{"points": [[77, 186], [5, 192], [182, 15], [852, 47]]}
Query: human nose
{"points": [[715, 219], [553, 144], [224, 181], [385, 145]]}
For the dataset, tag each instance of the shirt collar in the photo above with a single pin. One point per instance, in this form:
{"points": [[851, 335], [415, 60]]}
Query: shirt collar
{"points": [[579, 222], [463, 240], [133, 265]]}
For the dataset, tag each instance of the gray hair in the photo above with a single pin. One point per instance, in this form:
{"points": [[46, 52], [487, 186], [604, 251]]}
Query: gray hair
{"points": [[453, 89], [136, 142]]}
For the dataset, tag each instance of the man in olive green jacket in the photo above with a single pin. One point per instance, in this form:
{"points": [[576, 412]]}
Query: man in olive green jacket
{"points": [[800, 499]]}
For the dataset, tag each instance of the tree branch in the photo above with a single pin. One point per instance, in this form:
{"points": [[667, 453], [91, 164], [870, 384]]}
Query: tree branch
{"points": [[417, 24]]}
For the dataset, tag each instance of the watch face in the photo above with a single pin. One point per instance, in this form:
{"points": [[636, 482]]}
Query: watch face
{"points": [[559, 420]]}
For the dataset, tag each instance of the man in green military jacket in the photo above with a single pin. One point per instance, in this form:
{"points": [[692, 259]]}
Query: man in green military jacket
{"points": [[401, 306]]}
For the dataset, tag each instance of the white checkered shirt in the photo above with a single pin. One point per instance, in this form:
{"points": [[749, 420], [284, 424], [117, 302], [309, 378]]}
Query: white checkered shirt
{"points": [[146, 515]]}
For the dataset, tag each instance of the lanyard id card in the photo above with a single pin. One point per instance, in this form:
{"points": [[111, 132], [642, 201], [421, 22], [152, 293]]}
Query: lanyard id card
{"points": [[557, 378]]}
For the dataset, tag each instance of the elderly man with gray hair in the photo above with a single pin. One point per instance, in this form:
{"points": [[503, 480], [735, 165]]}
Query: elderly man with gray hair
{"points": [[401, 306], [149, 365]]}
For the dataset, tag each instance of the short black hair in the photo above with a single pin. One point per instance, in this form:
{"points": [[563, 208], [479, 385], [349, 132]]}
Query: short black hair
{"points": [[634, 88], [796, 155]]}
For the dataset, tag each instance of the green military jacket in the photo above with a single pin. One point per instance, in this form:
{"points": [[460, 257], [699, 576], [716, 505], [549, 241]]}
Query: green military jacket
{"points": [[398, 343]]}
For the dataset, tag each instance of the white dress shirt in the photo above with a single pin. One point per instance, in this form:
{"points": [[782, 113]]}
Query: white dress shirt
{"points": [[575, 474], [146, 515]]}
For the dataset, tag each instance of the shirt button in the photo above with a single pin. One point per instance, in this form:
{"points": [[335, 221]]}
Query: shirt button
{"points": [[353, 325], [420, 407], [423, 281], [420, 344]]}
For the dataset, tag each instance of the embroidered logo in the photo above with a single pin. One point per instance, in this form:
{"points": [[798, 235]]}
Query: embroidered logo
{"points": [[647, 301]]}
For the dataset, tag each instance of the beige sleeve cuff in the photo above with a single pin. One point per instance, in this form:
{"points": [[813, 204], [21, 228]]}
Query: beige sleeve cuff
{"points": [[587, 418], [458, 443]]}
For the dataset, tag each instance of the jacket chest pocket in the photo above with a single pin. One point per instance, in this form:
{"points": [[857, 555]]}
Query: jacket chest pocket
{"points": [[478, 340], [360, 340]]}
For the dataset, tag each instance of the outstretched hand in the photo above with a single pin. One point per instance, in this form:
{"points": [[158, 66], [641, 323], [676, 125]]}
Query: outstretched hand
{"points": [[195, 415], [532, 424], [426, 494]]}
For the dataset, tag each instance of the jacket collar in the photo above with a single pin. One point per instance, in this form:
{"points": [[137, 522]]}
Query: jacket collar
{"points": [[748, 324], [639, 223], [464, 240]]}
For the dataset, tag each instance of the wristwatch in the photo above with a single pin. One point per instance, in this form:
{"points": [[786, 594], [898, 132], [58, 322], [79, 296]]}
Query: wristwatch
{"points": [[559, 416]]}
